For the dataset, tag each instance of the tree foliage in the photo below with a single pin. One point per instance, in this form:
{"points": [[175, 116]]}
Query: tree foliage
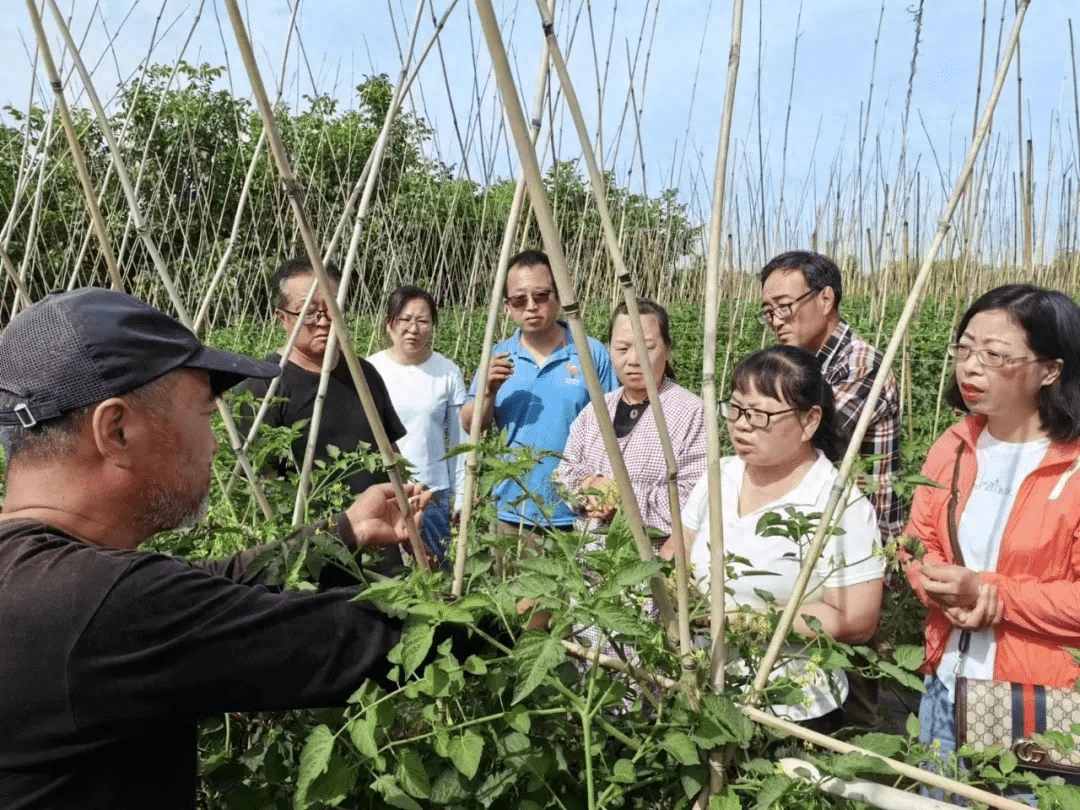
{"points": [[188, 144]]}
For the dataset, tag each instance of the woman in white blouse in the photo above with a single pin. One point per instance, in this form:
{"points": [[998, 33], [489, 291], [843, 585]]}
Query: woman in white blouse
{"points": [[427, 391], [783, 428]]}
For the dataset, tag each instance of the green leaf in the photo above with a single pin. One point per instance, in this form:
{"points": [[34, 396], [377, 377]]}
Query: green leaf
{"points": [[475, 665], [628, 576], [392, 793], [771, 790], [449, 787], [887, 745], [412, 775], [680, 746], [848, 766], [532, 586], [519, 719], [362, 734], [693, 780], [619, 619], [415, 643], [908, 656], [1008, 762], [331, 788], [535, 656], [731, 725], [466, 752], [314, 760], [727, 800], [624, 771], [545, 566], [912, 726], [441, 612], [902, 676]]}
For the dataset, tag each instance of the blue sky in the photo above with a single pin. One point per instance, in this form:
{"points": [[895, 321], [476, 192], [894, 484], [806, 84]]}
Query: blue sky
{"points": [[684, 44]]}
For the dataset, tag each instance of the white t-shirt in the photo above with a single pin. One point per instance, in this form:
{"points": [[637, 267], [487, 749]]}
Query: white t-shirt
{"points": [[849, 558], [428, 398], [1001, 468]]}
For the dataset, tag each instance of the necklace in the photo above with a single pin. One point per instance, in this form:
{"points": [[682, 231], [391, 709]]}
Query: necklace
{"points": [[635, 407]]}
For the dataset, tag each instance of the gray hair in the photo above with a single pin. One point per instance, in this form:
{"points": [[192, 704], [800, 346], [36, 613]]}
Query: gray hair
{"points": [[55, 439]]}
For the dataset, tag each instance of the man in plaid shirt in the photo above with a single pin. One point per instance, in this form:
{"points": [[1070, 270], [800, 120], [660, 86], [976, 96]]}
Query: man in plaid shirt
{"points": [[800, 302]]}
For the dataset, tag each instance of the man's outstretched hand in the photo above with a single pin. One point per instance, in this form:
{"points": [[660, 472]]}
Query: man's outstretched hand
{"points": [[376, 519]]}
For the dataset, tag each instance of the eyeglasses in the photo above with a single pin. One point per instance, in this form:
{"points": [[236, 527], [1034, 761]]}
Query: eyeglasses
{"points": [[423, 324], [754, 417], [986, 357], [783, 311], [521, 301], [312, 317]]}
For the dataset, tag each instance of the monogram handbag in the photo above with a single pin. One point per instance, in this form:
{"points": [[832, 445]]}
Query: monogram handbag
{"points": [[1004, 714]]}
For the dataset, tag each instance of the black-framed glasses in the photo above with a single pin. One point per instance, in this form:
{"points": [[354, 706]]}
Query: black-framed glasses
{"points": [[521, 301], [782, 311], [312, 317], [755, 417], [986, 357]]}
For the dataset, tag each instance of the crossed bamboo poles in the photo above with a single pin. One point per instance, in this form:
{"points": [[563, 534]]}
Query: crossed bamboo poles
{"points": [[676, 624]]}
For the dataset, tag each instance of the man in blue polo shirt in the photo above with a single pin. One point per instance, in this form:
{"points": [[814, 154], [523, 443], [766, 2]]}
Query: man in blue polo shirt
{"points": [[535, 388]]}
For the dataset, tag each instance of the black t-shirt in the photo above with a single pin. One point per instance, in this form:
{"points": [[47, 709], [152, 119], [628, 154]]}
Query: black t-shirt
{"points": [[109, 657], [343, 422]]}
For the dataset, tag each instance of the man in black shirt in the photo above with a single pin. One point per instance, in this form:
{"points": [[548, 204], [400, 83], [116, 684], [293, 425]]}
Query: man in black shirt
{"points": [[343, 423], [108, 655]]}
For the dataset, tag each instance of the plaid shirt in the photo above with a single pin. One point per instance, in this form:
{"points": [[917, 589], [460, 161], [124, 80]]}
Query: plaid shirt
{"points": [[849, 364], [642, 452]]}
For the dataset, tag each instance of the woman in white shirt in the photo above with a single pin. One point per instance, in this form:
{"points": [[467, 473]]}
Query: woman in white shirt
{"points": [[783, 428], [427, 391]]}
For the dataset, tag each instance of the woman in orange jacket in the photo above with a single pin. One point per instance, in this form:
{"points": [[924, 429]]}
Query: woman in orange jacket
{"points": [[1001, 572]]}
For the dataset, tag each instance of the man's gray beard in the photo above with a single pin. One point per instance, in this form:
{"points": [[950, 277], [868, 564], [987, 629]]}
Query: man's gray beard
{"points": [[165, 510]]}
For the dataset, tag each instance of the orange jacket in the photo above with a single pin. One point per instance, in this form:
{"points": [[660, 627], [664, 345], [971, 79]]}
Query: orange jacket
{"points": [[1038, 569]]}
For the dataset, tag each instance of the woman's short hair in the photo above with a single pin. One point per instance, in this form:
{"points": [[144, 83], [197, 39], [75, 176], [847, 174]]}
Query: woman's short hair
{"points": [[648, 307], [793, 375], [402, 296], [1051, 321]]}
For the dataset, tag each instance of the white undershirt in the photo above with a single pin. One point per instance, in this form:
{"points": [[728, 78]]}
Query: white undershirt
{"points": [[1001, 469]]}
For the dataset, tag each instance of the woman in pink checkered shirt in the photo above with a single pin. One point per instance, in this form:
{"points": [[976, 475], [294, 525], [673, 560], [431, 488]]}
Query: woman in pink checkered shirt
{"points": [[585, 472]]}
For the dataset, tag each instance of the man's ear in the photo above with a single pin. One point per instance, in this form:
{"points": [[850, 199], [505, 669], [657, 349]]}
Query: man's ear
{"points": [[279, 316], [828, 299], [112, 428]]}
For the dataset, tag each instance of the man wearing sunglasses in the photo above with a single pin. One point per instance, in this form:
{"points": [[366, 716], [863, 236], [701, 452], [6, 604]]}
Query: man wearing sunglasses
{"points": [[800, 303], [535, 388]]}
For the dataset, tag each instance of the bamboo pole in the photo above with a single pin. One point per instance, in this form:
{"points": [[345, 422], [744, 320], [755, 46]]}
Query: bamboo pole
{"points": [[330, 358], [494, 308], [292, 187], [787, 617], [925, 777], [550, 234], [718, 653], [151, 246], [77, 155], [630, 297]]}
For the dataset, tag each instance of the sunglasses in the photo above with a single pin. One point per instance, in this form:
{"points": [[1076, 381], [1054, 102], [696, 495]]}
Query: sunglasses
{"points": [[521, 301]]}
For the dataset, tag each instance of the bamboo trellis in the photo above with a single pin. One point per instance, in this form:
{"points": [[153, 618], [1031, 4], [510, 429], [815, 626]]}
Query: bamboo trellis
{"points": [[524, 142]]}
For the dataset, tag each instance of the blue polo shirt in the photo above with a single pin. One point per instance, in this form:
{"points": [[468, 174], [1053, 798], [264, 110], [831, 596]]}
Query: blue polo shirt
{"points": [[536, 407]]}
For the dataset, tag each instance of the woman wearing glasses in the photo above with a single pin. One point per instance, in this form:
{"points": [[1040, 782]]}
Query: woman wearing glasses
{"points": [[783, 428], [427, 391], [585, 472], [1001, 532]]}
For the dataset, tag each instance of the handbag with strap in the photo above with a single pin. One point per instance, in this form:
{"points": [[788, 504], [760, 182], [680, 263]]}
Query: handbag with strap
{"points": [[1005, 714]]}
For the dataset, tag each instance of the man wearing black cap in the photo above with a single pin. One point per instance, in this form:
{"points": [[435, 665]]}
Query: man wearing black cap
{"points": [[108, 655]]}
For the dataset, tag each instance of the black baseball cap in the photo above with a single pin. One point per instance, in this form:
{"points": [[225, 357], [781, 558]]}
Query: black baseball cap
{"points": [[75, 348]]}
